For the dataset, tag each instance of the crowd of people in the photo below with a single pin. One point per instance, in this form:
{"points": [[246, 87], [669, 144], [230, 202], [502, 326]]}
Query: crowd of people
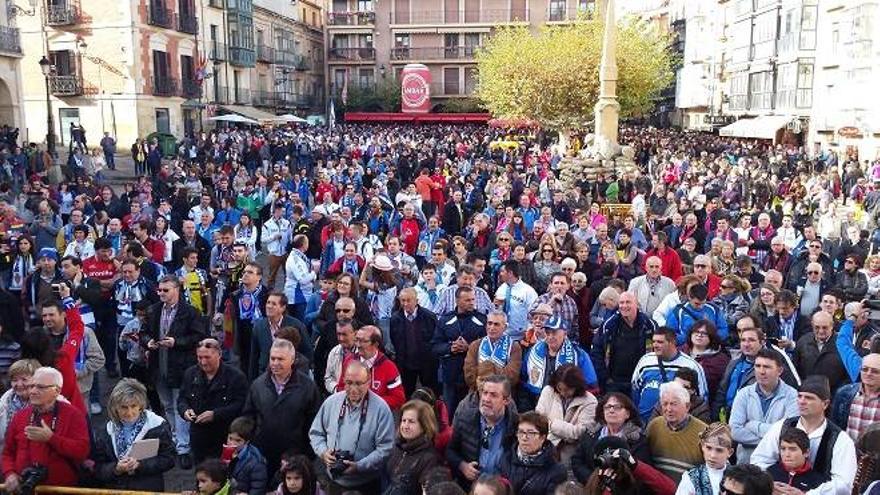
{"points": [[413, 309]]}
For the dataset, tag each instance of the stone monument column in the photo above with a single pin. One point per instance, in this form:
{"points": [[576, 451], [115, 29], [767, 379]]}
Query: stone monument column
{"points": [[607, 109]]}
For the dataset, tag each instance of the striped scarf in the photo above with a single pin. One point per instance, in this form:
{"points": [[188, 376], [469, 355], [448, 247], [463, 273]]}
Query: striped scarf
{"points": [[537, 362], [498, 354]]}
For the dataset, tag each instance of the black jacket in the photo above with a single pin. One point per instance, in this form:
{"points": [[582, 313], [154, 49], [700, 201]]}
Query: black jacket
{"points": [[283, 421], [537, 476], [464, 446], [149, 475], [804, 481], [582, 460], [452, 223], [224, 395], [408, 464], [201, 246], [187, 330], [808, 360], [424, 321]]}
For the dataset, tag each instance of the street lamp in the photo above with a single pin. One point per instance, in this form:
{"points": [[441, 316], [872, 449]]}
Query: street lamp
{"points": [[14, 10], [46, 69]]}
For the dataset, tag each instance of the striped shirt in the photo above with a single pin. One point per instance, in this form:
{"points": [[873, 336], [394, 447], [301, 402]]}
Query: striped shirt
{"points": [[127, 295], [862, 413]]}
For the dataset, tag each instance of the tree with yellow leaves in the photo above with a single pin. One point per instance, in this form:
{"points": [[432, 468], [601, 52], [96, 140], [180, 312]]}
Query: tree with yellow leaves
{"points": [[552, 77]]}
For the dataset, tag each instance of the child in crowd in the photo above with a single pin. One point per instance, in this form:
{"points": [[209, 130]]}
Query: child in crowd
{"points": [[247, 466], [793, 468], [716, 442], [212, 478], [297, 477]]}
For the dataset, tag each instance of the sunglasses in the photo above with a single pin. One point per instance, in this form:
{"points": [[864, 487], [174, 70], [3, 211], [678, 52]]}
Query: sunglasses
{"points": [[344, 310], [813, 272]]}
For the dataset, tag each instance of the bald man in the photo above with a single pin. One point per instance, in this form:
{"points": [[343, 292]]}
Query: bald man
{"points": [[857, 405], [816, 353], [652, 287], [620, 343]]}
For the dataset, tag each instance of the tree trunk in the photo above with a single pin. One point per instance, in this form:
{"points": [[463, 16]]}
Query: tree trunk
{"points": [[564, 140]]}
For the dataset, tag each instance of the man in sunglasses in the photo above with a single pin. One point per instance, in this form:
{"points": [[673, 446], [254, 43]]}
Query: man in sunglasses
{"points": [[800, 265]]}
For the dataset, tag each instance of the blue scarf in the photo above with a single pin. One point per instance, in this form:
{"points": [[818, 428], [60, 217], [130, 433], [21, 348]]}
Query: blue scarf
{"points": [[126, 434], [249, 304], [537, 361], [700, 479], [498, 355]]}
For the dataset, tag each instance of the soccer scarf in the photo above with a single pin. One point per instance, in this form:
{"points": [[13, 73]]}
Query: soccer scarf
{"points": [[536, 364], [498, 354]]}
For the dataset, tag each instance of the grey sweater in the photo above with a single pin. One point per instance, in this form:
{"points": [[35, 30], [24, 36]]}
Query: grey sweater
{"points": [[373, 447]]}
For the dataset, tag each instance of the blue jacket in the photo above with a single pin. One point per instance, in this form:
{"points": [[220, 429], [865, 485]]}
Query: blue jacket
{"points": [[249, 471], [682, 317], [849, 356], [841, 404], [471, 326]]}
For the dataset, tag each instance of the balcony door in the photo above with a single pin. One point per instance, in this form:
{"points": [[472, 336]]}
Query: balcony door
{"points": [[64, 62]]}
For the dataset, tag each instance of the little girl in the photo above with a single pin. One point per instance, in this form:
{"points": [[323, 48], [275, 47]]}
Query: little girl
{"points": [[716, 442], [212, 478], [297, 477]]}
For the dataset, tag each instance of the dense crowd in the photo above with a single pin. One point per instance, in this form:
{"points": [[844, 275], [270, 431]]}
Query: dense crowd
{"points": [[429, 309]]}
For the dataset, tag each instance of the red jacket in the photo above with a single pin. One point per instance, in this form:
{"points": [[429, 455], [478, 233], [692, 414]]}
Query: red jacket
{"points": [[337, 266], [714, 282], [384, 380], [409, 231], [66, 356], [62, 454], [156, 249], [671, 263]]}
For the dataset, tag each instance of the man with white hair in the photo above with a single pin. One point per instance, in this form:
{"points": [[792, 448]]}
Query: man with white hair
{"points": [[674, 438], [703, 270], [759, 238], [48, 432], [652, 287]]}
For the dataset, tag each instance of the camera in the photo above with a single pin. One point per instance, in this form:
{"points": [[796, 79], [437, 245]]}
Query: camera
{"points": [[606, 460], [31, 477], [339, 466], [56, 289]]}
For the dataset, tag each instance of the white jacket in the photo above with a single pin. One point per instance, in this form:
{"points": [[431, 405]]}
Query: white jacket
{"points": [[275, 236], [570, 425], [298, 273]]}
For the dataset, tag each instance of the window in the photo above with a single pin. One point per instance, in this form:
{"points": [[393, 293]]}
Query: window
{"points": [[808, 28], [365, 78], [450, 45], [761, 91], [805, 85], [557, 10], [743, 7], [739, 91], [470, 80], [786, 85], [835, 40], [187, 69], [365, 5], [161, 65], [472, 41], [163, 121], [764, 36], [66, 116], [64, 62], [401, 46], [450, 81]]}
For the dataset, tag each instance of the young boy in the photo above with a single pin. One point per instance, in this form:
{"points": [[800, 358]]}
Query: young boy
{"points": [[793, 468], [211, 479], [247, 466]]}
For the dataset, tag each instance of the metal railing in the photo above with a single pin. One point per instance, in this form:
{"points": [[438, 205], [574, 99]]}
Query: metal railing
{"points": [[351, 18], [265, 54], [190, 88], [216, 50], [260, 98], [242, 57], [164, 86], [302, 63], [161, 17], [188, 23], [571, 14], [61, 15], [66, 85], [485, 16], [241, 96], [434, 53], [70, 490], [216, 4], [284, 57], [354, 54], [10, 40]]}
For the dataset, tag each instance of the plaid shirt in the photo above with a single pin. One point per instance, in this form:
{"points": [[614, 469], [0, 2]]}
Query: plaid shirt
{"points": [[567, 309], [862, 413], [446, 301]]}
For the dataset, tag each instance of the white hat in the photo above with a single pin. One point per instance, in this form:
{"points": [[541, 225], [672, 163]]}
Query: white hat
{"points": [[381, 262]]}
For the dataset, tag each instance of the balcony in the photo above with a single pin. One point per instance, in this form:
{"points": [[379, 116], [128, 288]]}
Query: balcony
{"points": [[190, 88], [485, 16], [164, 86], [263, 98], [10, 40], [187, 23], [284, 57], [352, 54], [66, 85], [61, 15], [161, 17], [217, 4], [434, 53], [265, 54], [351, 18], [242, 57], [216, 51], [302, 63], [241, 96], [565, 15]]}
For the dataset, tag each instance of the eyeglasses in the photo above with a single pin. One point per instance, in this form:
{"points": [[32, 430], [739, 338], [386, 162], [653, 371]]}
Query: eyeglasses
{"points": [[870, 371], [613, 407], [547, 251], [813, 272], [723, 286], [163, 290], [344, 310], [701, 333], [701, 266], [528, 434], [815, 246]]}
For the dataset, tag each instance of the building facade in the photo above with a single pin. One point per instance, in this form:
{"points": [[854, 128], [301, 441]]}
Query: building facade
{"points": [[368, 41], [845, 115], [11, 103]]}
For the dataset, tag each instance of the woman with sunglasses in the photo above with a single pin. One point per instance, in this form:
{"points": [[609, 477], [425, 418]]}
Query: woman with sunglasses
{"points": [[546, 265], [734, 298], [530, 465]]}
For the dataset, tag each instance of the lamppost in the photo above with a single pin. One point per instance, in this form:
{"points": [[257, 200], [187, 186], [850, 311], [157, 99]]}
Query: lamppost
{"points": [[46, 68]]}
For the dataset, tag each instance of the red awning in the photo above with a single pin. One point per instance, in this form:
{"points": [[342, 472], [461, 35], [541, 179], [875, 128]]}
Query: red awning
{"points": [[416, 117]]}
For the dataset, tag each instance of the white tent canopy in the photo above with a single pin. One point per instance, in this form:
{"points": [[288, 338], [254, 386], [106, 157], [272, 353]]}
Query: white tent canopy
{"points": [[235, 118], [287, 118], [763, 127]]}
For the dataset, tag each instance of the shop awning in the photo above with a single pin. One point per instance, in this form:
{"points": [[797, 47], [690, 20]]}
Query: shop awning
{"points": [[764, 127], [249, 112]]}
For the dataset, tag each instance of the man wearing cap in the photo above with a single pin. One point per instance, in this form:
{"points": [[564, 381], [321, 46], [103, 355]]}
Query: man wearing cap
{"points": [[562, 304], [832, 452], [546, 356], [851, 281], [38, 285]]}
